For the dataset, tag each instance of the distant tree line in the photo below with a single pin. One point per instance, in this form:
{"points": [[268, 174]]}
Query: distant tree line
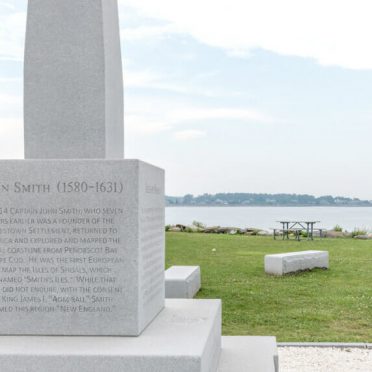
{"points": [[248, 199]]}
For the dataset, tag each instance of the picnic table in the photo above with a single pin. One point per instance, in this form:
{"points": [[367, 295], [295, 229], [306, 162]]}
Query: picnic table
{"points": [[297, 227]]}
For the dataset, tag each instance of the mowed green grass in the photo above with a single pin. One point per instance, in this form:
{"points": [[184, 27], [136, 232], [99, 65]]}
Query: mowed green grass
{"points": [[321, 305]]}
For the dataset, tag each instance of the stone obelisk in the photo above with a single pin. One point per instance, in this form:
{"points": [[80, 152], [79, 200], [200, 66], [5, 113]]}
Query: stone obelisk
{"points": [[87, 239], [73, 87]]}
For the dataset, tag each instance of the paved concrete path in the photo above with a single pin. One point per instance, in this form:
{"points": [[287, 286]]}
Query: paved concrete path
{"points": [[325, 359]]}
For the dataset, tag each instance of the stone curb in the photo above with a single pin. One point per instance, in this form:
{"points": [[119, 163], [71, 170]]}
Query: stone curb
{"points": [[360, 345]]}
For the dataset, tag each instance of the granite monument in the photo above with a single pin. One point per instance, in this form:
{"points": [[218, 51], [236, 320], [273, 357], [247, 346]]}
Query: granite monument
{"points": [[82, 229]]}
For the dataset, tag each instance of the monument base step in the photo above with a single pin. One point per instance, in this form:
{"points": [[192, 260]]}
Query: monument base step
{"points": [[182, 281], [249, 354], [185, 337]]}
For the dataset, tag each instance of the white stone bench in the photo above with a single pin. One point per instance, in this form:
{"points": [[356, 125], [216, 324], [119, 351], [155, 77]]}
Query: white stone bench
{"points": [[182, 281], [284, 263]]}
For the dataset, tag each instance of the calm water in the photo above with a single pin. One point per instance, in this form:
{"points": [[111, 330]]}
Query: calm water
{"points": [[266, 217]]}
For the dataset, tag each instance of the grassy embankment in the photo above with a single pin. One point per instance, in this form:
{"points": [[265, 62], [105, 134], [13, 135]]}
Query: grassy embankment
{"points": [[320, 305]]}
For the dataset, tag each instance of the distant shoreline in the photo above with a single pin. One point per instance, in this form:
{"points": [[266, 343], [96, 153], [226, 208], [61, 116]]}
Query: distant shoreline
{"points": [[264, 200]]}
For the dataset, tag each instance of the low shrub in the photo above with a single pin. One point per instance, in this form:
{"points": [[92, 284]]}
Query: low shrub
{"points": [[198, 224], [357, 231]]}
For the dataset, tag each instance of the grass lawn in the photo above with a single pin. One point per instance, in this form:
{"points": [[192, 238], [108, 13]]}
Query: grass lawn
{"points": [[321, 305]]}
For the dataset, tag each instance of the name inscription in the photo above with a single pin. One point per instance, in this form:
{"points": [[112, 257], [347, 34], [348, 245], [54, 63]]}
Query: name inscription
{"points": [[63, 187]]}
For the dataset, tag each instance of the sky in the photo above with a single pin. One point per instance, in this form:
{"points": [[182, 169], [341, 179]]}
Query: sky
{"points": [[233, 96]]}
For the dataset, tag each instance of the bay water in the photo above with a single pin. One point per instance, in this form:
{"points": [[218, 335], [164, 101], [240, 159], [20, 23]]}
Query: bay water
{"points": [[265, 218]]}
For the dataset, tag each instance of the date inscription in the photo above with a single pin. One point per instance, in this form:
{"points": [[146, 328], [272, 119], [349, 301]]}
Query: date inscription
{"points": [[64, 187]]}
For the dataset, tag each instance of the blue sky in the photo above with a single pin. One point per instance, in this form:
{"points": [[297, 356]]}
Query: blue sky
{"points": [[233, 96]]}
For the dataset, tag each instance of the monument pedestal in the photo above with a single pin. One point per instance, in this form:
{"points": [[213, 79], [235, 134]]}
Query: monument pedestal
{"points": [[249, 354], [184, 337], [81, 247]]}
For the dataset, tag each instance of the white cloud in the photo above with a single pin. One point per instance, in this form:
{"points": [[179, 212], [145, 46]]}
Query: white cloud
{"points": [[152, 80], [11, 138], [7, 5], [12, 36], [333, 32], [187, 135], [10, 80], [150, 114], [140, 79], [195, 113], [143, 124], [10, 105], [143, 32]]}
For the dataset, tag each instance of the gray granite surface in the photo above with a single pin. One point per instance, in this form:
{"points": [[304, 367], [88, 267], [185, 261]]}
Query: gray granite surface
{"points": [[73, 82], [182, 281], [81, 246], [185, 337]]}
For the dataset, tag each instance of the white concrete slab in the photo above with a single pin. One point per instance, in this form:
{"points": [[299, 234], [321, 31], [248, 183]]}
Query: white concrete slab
{"points": [[249, 354], [284, 263], [185, 337], [182, 281]]}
